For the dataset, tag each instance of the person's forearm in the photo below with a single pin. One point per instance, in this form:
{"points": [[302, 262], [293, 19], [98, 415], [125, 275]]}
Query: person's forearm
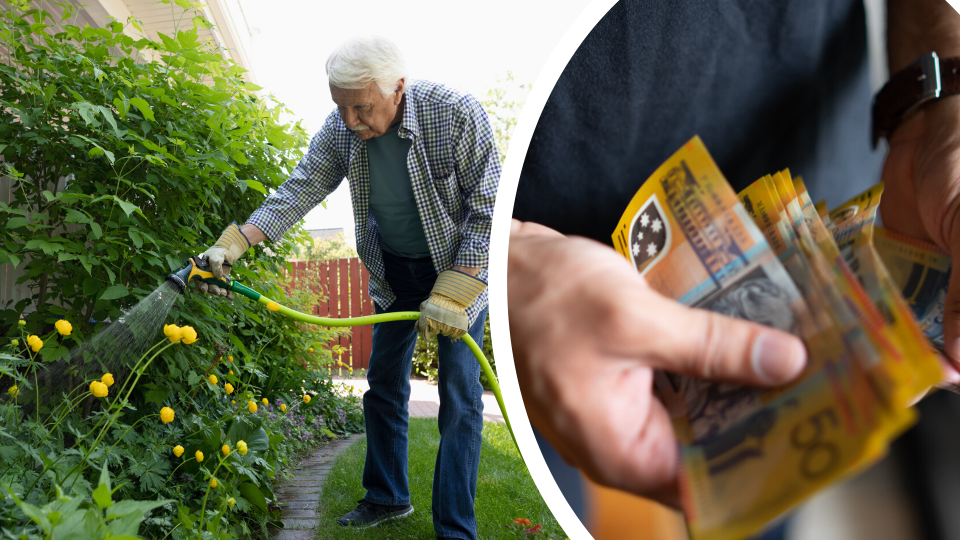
{"points": [[916, 27], [253, 233]]}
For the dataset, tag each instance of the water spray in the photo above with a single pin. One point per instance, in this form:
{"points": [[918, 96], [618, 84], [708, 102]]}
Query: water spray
{"points": [[198, 268]]}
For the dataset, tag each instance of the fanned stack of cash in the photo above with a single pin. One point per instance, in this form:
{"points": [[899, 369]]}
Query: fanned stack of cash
{"points": [[866, 302]]}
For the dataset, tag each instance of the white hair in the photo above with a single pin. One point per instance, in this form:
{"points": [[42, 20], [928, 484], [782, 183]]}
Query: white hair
{"points": [[358, 61]]}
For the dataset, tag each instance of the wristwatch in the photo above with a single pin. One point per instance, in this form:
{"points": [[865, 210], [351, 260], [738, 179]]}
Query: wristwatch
{"points": [[928, 77]]}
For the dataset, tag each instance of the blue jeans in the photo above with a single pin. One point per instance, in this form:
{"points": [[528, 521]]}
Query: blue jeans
{"points": [[387, 419]]}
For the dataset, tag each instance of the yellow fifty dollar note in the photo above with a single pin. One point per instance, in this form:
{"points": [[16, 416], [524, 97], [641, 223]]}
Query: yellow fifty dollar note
{"points": [[748, 455]]}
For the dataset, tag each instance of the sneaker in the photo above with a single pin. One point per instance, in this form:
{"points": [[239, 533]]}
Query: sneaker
{"points": [[367, 514]]}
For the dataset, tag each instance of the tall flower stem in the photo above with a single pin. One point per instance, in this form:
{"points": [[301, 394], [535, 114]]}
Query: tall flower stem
{"points": [[119, 405], [203, 508]]}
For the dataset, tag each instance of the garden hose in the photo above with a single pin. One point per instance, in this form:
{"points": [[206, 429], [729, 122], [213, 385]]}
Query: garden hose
{"points": [[197, 268]]}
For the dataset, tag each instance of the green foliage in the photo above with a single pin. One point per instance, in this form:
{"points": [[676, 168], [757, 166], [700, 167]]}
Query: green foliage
{"points": [[127, 157], [74, 517], [57, 453], [122, 167]]}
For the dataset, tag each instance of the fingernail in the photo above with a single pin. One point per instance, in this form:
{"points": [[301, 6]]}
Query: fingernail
{"points": [[777, 360], [951, 375]]}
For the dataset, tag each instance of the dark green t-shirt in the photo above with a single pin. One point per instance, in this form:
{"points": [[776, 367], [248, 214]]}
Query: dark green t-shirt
{"points": [[391, 196]]}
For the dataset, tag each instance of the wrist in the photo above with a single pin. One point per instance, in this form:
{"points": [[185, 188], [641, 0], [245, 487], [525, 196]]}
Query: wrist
{"points": [[471, 270], [253, 233], [929, 78]]}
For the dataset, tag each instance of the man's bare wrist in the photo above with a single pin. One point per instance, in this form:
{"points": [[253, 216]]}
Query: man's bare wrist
{"points": [[253, 233], [472, 270]]}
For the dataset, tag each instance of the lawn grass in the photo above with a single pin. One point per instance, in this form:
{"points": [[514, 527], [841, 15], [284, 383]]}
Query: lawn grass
{"points": [[505, 489]]}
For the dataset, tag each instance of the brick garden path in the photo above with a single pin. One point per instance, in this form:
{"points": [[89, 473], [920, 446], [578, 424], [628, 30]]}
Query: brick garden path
{"points": [[301, 495]]}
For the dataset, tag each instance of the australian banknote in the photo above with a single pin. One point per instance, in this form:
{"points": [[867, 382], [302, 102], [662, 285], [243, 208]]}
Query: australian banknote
{"points": [[853, 228], [748, 454], [921, 271]]}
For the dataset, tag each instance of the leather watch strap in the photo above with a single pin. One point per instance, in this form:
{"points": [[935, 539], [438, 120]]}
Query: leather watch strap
{"points": [[928, 77]]}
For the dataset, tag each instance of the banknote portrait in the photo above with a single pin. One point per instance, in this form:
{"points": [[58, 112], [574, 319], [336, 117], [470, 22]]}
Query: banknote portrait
{"points": [[713, 406], [759, 299]]}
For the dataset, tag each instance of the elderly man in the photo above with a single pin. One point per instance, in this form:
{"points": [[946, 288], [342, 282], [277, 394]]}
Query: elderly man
{"points": [[423, 170]]}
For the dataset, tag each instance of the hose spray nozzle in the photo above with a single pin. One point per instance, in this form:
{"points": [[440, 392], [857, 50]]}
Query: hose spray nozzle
{"points": [[197, 267]]}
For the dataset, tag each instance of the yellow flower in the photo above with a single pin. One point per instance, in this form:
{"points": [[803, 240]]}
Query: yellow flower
{"points": [[231, 501], [230, 372], [242, 448], [213, 483], [64, 327], [230, 358], [21, 322], [15, 343], [98, 389], [199, 456], [189, 335], [34, 342], [166, 415], [273, 306], [265, 401], [228, 387], [225, 449], [252, 406], [310, 349], [107, 379], [306, 398], [13, 391], [283, 407], [213, 380], [351, 370], [233, 402], [178, 450], [173, 332]]}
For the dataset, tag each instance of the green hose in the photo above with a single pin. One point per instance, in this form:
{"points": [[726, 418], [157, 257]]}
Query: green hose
{"points": [[372, 319]]}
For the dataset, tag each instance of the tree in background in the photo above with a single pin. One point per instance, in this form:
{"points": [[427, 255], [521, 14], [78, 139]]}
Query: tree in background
{"points": [[503, 104], [324, 249]]}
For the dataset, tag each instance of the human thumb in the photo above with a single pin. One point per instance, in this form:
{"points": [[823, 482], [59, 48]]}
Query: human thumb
{"points": [[713, 346]]}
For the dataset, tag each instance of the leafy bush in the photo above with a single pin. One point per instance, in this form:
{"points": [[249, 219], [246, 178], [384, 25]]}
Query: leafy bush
{"points": [[127, 156], [123, 168]]}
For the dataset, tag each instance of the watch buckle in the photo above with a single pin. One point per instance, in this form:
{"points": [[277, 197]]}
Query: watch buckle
{"points": [[929, 76]]}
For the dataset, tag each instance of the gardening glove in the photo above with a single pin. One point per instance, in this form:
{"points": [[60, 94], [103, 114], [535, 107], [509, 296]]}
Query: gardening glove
{"points": [[229, 247], [445, 312]]}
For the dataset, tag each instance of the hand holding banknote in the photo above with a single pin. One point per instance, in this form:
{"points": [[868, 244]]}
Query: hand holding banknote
{"points": [[922, 178], [588, 333]]}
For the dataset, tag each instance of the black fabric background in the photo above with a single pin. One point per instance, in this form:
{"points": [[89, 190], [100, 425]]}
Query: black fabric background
{"points": [[766, 85]]}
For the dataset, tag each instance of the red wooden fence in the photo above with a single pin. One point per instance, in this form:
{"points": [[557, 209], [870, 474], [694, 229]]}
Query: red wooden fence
{"points": [[341, 287]]}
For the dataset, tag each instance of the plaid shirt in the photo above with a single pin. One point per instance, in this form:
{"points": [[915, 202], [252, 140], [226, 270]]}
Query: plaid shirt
{"points": [[454, 167]]}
